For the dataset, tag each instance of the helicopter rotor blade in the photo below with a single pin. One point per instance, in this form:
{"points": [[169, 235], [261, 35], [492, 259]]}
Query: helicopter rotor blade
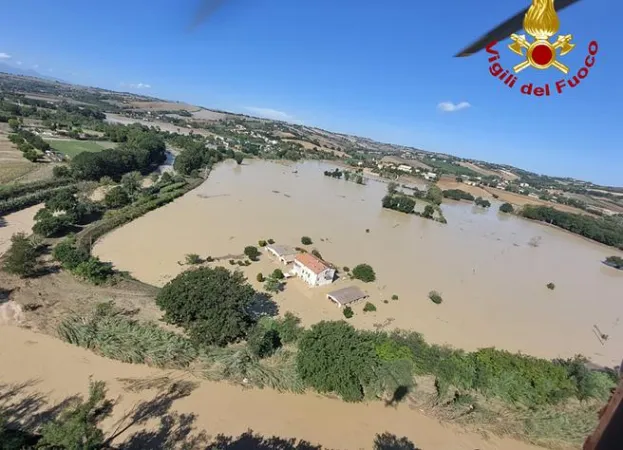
{"points": [[205, 10], [505, 29]]}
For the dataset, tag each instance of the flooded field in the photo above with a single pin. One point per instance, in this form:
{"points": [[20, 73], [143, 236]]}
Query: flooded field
{"points": [[491, 269]]}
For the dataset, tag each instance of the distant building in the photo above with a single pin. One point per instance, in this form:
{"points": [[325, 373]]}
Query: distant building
{"points": [[430, 175], [312, 270], [405, 168], [282, 253]]}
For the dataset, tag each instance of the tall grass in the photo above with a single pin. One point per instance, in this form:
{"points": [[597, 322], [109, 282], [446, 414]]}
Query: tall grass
{"points": [[112, 334], [239, 365]]}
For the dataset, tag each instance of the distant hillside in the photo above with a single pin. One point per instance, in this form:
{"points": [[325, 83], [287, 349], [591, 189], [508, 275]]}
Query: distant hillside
{"points": [[12, 70]]}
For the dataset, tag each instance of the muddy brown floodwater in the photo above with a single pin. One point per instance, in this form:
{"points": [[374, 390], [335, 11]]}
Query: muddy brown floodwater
{"points": [[491, 269], [54, 370]]}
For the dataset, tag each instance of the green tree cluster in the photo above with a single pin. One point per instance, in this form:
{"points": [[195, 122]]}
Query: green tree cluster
{"points": [[458, 194], [482, 202], [399, 202], [21, 257], [434, 195], [614, 261]]}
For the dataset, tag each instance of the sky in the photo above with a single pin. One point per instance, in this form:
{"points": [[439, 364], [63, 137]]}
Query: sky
{"points": [[383, 70]]}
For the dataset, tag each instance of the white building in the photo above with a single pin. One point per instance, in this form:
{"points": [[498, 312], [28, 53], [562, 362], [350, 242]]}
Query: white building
{"points": [[282, 253], [312, 270], [430, 175], [405, 168]]}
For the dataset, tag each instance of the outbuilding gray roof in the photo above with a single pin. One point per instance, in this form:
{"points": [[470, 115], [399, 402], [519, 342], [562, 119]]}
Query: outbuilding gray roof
{"points": [[282, 250], [347, 295]]}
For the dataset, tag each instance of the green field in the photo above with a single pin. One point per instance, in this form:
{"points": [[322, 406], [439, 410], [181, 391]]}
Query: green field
{"points": [[73, 147]]}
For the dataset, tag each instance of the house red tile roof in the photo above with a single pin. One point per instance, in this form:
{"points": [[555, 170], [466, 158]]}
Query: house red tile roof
{"points": [[311, 262]]}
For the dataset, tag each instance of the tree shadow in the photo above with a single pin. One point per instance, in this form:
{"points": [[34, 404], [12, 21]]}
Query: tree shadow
{"points": [[263, 305], [23, 413], [399, 395], [388, 441]]}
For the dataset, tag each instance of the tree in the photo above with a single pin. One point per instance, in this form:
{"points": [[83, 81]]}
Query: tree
{"points": [[278, 274], [131, 183], [193, 259], [272, 284], [31, 155], [428, 211], [263, 342], [239, 157], [77, 427], [21, 258], [117, 197], [506, 208], [348, 312], [364, 272], [69, 256], [14, 124], [260, 277], [482, 202], [435, 297], [434, 195], [212, 304], [306, 240], [61, 172], [333, 357], [252, 252], [369, 307], [47, 224], [392, 188]]}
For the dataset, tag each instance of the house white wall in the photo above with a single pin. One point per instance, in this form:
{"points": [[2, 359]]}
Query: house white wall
{"points": [[304, 273]]}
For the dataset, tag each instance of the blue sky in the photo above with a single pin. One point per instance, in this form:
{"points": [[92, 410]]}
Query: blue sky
{"points": [[376, 69]]}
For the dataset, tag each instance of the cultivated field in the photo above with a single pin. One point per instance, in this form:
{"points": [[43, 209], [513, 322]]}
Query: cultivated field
{"points": [[72, 147]]}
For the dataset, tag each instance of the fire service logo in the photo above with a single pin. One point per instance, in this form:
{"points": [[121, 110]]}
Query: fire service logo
{"points": [[542, 23]]}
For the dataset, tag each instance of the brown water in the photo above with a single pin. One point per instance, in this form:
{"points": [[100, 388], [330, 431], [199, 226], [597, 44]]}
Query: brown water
{"points": [[54, 370], [492, 280]]}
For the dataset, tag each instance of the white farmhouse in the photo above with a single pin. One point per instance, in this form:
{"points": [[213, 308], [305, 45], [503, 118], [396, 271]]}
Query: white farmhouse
{"points": [[405, 168], [312, 270]]}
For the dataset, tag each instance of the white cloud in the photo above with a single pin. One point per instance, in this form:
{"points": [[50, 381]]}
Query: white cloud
{"points": [[136, 85], [452, 107], [19, 63], [269, 113], [4, 56]]}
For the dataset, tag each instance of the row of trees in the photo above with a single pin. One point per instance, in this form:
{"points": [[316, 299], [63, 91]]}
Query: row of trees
{"points": [[458, 194], [606, 230]]}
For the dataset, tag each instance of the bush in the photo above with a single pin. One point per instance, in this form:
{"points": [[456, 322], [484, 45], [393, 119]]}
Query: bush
{"points": [[263, 342], [551, 286], [117, 197], [21, 258], [69, 256], [261, 243], [94, 270], [394, 297], [614, 261], [260, 277], [482, 202], [398, 202], [212, 304], [271, 241], [348, 312], [369, 307], [435, 297], [306, 240], [193, 259], [316, 253], [346, 269], [252, 252], [506, 208], [364, 272], [61, 172], [278, 274], [428, 212]]}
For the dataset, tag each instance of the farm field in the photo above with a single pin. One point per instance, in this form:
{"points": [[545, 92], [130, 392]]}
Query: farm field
{"points": [[72, 148]]}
